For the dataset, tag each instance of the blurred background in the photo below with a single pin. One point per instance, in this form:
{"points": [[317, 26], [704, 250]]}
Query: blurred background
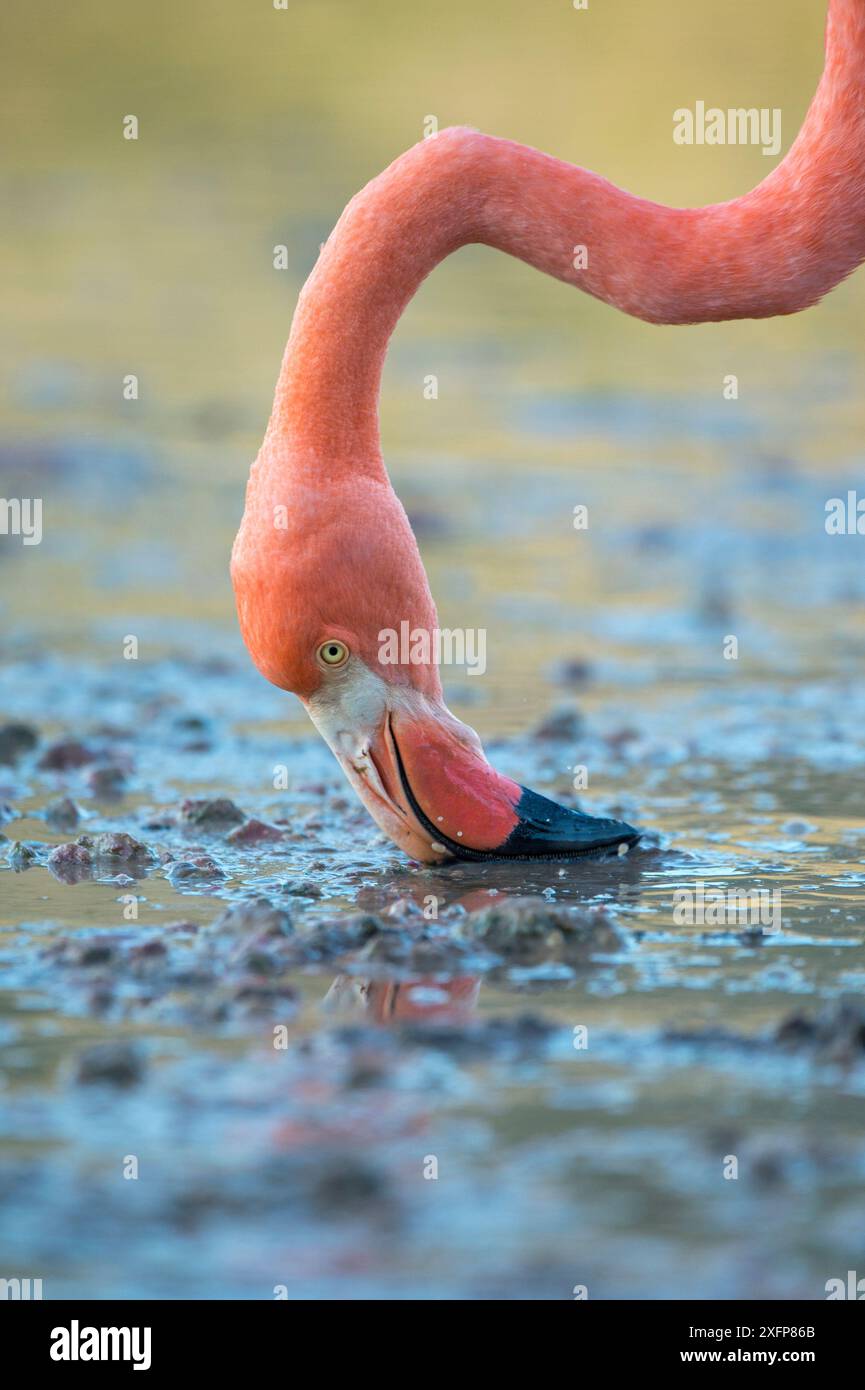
{"points": [[154, 257]]}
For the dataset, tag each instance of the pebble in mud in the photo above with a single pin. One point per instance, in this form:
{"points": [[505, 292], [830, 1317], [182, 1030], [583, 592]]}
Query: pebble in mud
{"points": [[22, 855], [200, 868], [148, 952], [107, 782], [256, 916], [347, 1184], [62, 814], [562, 724], [326, 1177], [112, 1064], [211, 813], [522, 1035], [259, 995], [209, 984], [798, 827], [259, 923], [196, 733], [15, 741], [301, 888], [70, 860], [520, 927], [836, 1034], [405, 952], [255, 832], [78, 859], [525, 1035], [117, 846], [619, 739], [517, 930], [573, 671], [66, 755], [774, 1160]]}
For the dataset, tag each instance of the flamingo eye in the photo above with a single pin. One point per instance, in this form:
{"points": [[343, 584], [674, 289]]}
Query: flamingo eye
{"points": [[332, 653]]}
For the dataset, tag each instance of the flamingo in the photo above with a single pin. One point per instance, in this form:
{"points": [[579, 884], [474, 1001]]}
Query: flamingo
{"points": [[325, 560]]}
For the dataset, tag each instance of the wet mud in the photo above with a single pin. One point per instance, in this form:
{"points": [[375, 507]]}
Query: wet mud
{"points": [[343, 1074]]}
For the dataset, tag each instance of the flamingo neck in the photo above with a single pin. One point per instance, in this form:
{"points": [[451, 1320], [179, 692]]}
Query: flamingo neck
{"points": [[775, 250], [391, 235]]}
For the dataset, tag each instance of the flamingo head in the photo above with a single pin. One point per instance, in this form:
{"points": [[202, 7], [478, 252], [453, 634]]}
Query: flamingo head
{"points": [[324, 581]]}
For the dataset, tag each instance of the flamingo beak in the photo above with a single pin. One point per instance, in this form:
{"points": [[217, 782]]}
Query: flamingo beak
{"points": [[425, 780]]}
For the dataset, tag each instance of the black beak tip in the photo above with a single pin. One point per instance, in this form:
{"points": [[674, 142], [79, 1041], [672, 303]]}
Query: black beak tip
{"points": [[544, 828]]}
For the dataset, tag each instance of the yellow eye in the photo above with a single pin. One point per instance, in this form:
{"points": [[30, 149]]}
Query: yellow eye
{"points": [[332, 653]]}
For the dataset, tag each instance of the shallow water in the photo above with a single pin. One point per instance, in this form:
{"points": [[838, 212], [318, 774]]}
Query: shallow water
{"points": [[303, 1165]]}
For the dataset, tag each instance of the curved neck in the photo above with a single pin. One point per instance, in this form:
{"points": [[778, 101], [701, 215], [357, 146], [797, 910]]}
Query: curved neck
{"points": [[775, 250], [391, 235]]}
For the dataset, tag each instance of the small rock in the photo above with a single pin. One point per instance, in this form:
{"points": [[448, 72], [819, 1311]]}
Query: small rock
{"points": [[196, 731], [620, 738], [348, 1184], [70, 856], [798, 827], [574, 671], [301, 888], [62, 814], [714, 604], [389, 947], [255, 832], [255, 961], [525, 1034], [517, 926], [564, 723], [21, 856], [211, 813], [107, 782], [100, 998], [253, 915], [15, 741], [405, 907], [200, 867], [116, 846], [95, 953], [64, 755], [836, 1034], [262, 994], [112, 1064], [190, 723], [149, 950]]}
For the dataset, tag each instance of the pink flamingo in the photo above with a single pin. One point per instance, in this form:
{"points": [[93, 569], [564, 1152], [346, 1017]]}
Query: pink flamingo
{"points": [[325, 559]]}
